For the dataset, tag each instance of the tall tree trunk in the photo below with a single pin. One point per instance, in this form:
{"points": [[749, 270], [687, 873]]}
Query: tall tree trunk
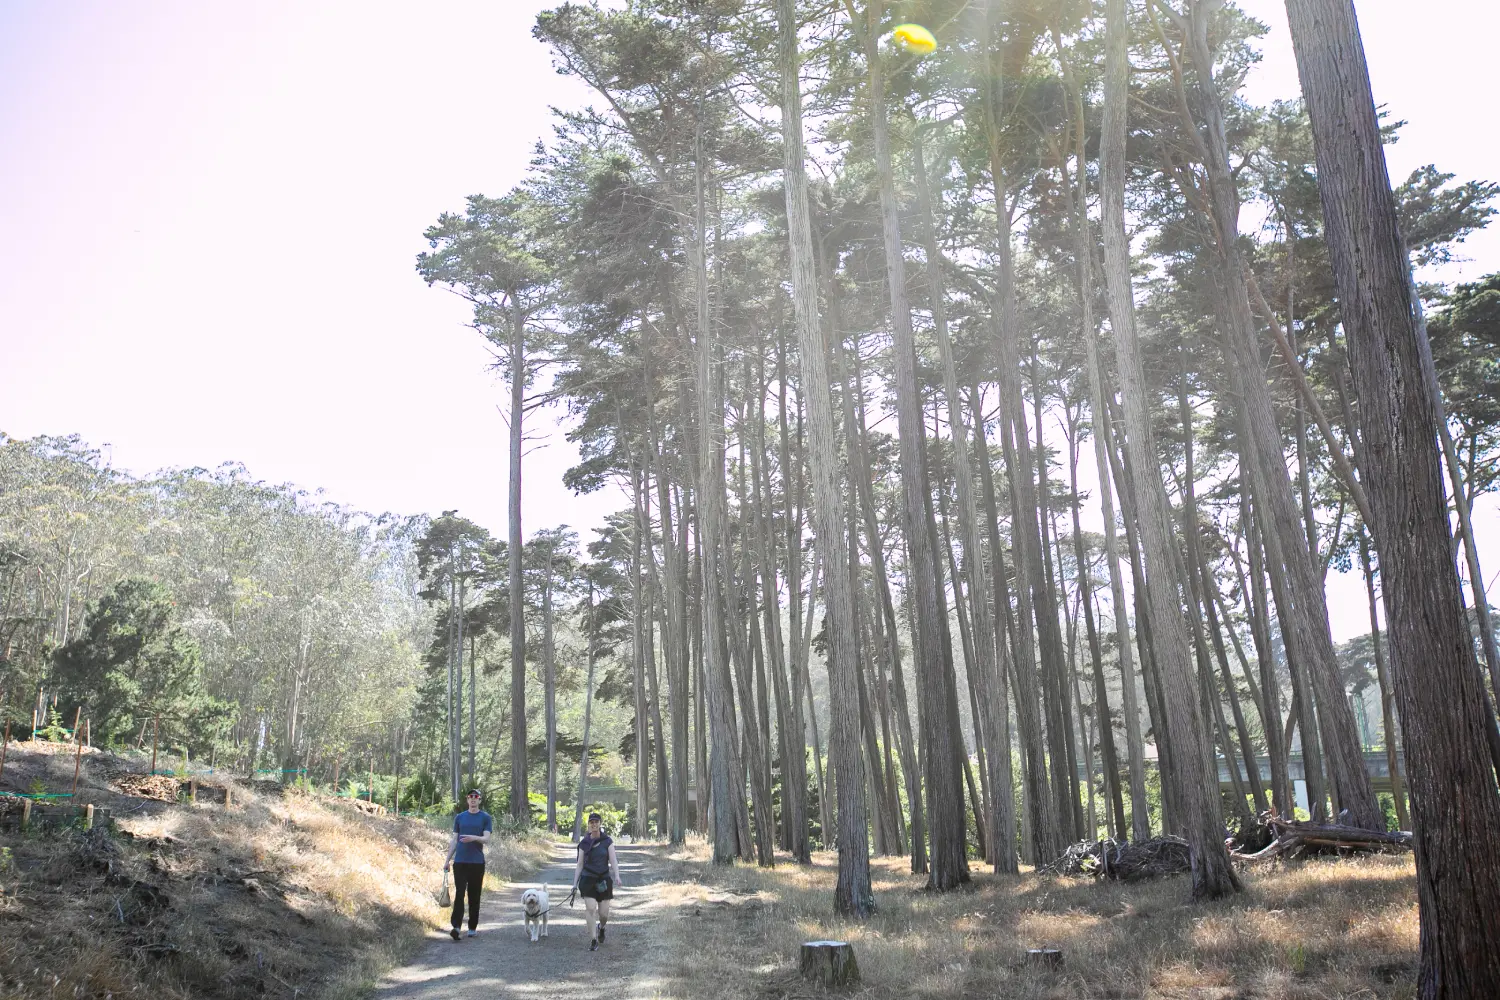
{"points": [[640, 620], [738, 601], [588, 720], [549, 692], [1308, 639], [520, 807], [1150, 674], [907, 743], [1196, 785], [794, 769], [1005, 813], [938, 695], [1258, 610], [1199, 581], [1107, 751], [1045, 817], [724, 757], [1387, 691], [1454, 801], [852, 894], [789, 739], [1046, 591], [1135, 749], [675, 636], [982, 665]]}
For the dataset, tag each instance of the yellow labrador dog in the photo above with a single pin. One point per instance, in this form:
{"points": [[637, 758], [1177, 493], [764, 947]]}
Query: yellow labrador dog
{"points": [[535, 903]]}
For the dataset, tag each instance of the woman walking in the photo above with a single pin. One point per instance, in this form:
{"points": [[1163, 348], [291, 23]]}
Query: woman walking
{"points": [[595, 877], [471, 831]]}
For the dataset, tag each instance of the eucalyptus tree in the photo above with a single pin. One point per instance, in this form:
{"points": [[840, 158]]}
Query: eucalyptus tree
{"points": [[1454, 797], [494, 256]]}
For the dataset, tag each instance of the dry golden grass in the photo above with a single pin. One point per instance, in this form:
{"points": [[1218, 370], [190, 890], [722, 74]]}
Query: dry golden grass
{"points": [[1322, 929], [276, 896]]}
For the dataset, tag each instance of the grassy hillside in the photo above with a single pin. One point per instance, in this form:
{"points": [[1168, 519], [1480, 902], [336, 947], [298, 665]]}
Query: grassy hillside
{"points": [[276, 895]]}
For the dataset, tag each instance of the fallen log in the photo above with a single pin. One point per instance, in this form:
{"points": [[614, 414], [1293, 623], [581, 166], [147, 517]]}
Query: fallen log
{"points": [[1294, 837]]}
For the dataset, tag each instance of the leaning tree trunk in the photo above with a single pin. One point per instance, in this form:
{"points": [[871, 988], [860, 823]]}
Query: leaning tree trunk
{"points": [[1455, 807], [938, 695], [1196, 786], [852, 895], [1308, 638], [1140, 816]]}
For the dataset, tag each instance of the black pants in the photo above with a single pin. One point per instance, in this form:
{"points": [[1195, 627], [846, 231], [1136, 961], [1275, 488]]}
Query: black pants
{"points": [[467, 877]]}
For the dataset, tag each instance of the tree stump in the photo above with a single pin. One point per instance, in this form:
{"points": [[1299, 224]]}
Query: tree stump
{"points": [[829, 962], [1046, 958]]}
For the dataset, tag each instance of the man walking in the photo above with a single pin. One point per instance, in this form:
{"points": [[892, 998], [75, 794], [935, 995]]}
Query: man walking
{"points": [[471, 831]]}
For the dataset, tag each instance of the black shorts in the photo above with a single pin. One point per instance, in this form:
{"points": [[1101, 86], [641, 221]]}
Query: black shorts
{"points": [[588, 887]]}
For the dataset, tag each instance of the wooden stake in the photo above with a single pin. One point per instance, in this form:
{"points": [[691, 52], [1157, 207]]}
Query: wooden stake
{"points": [[336, 762], [25, 813], [228, 796], [155, 732], [88, 739], [4, 747], [88, 816], [192, 789], [77, 716], [77, 759], [372, 779]]}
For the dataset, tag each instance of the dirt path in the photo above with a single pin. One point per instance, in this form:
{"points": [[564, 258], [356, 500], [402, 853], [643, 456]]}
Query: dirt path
{"points": [[502, 962]]}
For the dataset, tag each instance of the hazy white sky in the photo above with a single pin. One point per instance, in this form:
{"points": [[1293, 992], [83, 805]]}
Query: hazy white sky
{"points": [[209, 215]]}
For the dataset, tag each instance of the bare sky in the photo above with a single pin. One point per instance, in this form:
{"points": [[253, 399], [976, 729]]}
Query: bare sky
{"points": [[209, 215]]}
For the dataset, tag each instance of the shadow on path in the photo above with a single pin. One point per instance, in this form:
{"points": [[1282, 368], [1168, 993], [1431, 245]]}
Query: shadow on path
{"points": [[502, 962]]}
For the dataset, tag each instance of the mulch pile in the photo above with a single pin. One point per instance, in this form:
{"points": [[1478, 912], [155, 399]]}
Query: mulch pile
{"points": [[1126, 862], [162, 787]]}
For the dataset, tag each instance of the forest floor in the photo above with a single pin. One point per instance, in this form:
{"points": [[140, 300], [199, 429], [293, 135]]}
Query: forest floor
{"points": [[277, 894], [284, 895], [1323, 928]]}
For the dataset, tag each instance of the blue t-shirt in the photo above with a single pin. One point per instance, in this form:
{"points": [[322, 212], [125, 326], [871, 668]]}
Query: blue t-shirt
{"points": [[471, 824]]}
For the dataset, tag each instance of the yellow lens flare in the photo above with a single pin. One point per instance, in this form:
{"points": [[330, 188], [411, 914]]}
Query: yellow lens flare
{"points": [[914, 38]]}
